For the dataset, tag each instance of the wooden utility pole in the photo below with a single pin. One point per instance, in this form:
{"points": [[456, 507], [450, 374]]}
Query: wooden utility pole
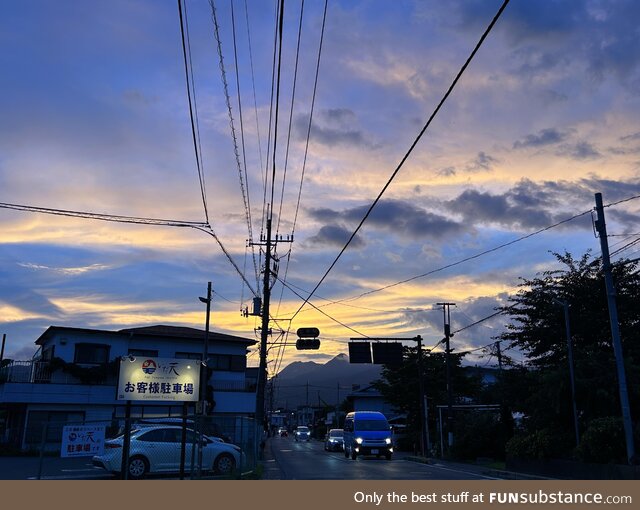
{"points": [[601, 227], [446, 310]]}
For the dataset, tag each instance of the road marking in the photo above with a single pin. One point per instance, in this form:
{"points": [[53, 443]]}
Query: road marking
{"points": [[440, 466]]}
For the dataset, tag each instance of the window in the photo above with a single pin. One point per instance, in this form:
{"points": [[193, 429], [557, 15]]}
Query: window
{"points": [[47, 354], [91, 353], [188, 355], [54, 421], [228, 362], [143, 353]]}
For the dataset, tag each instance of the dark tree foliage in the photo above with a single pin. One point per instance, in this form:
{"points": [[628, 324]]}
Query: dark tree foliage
{"points": [[399, 386], [538, 329]]}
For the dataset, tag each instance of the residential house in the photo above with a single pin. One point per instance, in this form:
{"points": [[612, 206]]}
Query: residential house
{"points": [[73, 378]]}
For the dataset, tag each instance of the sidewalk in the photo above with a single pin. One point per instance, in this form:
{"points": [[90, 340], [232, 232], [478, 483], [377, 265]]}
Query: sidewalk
{"points": [[472, 468], [271, 469]]}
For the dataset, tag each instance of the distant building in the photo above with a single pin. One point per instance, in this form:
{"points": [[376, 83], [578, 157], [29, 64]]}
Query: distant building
{"points": [[73, 376], [370, 399]]}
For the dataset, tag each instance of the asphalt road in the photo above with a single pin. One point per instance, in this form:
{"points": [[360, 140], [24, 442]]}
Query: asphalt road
{"points": [[309, 461], [50, 468]]}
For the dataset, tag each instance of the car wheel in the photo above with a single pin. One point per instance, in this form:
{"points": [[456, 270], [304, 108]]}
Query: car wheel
{"points": [[138, 467], [224, 464]]}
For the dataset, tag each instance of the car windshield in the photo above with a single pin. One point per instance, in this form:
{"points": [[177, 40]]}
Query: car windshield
{"points": [[336, 433], [371, 425], [303, 429]]}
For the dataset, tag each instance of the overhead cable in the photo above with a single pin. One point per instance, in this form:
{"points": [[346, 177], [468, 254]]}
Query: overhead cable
{"points": [[223, 74], [192, 106], [407, 154]]}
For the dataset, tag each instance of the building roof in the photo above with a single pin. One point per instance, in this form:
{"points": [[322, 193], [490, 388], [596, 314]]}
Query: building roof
{"points": [[177, 332]]}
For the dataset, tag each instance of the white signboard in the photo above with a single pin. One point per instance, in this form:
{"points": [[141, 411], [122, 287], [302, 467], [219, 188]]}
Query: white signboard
{"points": [[82, 440], [165, 379]]}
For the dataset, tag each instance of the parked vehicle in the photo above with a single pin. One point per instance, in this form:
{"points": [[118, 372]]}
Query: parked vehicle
{"points": [[157, 449], [211, 430], [334, 440], [302, 434], [367, 433]]}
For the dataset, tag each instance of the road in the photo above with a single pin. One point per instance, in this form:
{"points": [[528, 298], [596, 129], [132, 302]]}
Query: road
{"points": [[286, 459], [51, 468], [309, 461]]}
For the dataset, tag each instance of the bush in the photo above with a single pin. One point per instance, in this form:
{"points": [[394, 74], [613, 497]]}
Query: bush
{"points": [[603, 441], [478, 434], [538, 445]]}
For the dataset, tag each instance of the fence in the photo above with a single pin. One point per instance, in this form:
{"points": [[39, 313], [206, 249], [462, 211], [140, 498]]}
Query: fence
{"points": [[188, 447]]}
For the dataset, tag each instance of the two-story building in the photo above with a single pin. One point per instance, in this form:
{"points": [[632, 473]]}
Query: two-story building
{"points": [[73, 377]]}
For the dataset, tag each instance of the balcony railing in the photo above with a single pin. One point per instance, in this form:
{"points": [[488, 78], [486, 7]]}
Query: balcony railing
{"points": [[40, 372]]}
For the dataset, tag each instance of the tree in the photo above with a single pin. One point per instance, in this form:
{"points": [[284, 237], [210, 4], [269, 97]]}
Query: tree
{"points": [[399, 386], [538, 329]]}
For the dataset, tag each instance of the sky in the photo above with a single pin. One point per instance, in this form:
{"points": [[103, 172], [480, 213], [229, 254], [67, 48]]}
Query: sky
{"points": [[95, 117]]}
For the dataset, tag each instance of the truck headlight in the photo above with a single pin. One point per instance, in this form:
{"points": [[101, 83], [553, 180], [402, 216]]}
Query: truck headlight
{"points": [[359, 440], [387, 440]]}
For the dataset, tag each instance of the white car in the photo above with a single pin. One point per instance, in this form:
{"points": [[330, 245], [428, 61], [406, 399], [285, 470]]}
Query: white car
{"points": [[156, 449], [302, 434]]}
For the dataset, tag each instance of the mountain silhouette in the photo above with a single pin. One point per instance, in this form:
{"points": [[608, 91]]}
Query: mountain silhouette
{"points": [[308, 382]]}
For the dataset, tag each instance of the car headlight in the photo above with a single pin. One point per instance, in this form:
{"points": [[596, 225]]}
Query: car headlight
{"points": [[359, 440], [387, 440]]}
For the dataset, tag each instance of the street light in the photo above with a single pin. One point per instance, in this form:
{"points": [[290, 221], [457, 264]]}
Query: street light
{"points": [[565, 305]]}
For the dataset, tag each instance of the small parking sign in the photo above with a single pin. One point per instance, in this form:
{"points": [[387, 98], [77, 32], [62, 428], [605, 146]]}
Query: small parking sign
{"points": [[82, 440]]}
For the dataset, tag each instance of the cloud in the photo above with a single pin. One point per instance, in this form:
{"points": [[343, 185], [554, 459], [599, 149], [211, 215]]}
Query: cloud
{"points": [[478, 207], [535, 205], [332, 127], [549, 136], [334, 235], [631, 138], [580, 151], [64, 270], [482, 162], [447, 171], [394, 216]]}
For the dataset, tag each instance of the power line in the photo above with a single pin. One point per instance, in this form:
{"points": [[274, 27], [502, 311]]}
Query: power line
{"points": [[104, 217], [245, 197], [323, 312], [253, 81], [293, 97], [244, 155], [277, 109], [188, 70], [203, 227], [406, 156]]}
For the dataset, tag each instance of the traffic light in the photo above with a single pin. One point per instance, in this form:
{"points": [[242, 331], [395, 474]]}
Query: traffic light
{"points": [[308, 339], [307, 343]]}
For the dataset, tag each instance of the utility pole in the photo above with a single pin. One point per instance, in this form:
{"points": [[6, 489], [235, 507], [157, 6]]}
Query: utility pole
{"points": [[4, 338], [615, 329], [338, 404], [264, 334], [203, 375], [423, 424], [567, 327], [268, 243], [446, 310]]}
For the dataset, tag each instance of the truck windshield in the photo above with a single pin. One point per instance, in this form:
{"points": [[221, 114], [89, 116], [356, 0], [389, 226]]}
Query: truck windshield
{"points": [[371, 425]]}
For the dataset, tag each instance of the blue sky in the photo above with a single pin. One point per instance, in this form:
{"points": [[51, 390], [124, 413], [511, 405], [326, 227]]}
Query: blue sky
{"points": [[95, 118]]}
